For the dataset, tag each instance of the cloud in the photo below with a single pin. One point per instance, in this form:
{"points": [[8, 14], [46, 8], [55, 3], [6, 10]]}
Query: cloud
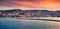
{"points": [[28, 0], [37, 4], [11, 3]]}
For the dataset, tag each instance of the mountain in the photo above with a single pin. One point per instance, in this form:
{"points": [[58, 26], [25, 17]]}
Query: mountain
{"points": [[19, 10], [10, 11]]}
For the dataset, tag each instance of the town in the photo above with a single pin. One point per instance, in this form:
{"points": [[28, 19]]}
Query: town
{"points": [[29, 13]]}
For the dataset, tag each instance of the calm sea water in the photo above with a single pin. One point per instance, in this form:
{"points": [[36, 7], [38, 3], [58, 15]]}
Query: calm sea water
{"points": [[12, 23]]}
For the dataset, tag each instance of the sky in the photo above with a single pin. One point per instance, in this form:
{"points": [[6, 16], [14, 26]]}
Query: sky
{"points": [[30, 4]]}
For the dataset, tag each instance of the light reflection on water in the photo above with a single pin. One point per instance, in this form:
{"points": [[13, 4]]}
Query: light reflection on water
{"points": [[11, 23]]}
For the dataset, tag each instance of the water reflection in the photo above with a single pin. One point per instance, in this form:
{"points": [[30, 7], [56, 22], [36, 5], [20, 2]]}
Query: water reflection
{"points": [[11, 23]]}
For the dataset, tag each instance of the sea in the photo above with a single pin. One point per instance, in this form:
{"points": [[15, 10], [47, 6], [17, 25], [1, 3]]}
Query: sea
{"points": [[17, 23]]}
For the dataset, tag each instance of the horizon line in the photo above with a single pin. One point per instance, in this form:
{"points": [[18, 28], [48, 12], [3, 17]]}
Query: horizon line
{"points": [[32, 9]]}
